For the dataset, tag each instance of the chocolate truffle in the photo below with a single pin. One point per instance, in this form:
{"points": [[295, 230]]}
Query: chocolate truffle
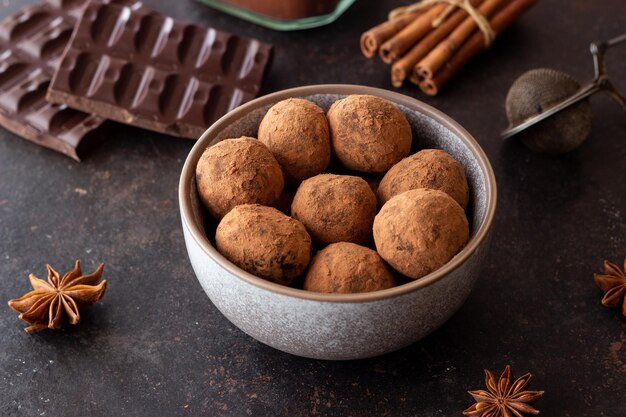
{"points": [[429, 168], [237, 171], [296, 132], [335, 208], [368, 133], [264, 242], [346, 268], [420, 230]]}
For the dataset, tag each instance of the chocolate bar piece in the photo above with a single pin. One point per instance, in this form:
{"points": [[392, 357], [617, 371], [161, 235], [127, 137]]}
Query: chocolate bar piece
{"points": [[139, 67], [32, 43]]}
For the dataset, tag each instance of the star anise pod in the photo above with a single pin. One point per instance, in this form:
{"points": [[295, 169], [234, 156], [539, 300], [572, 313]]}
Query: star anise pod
{"points": [[503, 398], [52, 303], [613, 283]]}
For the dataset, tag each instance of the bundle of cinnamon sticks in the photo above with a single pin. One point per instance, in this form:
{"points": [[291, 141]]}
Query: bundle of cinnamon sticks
{"points": [[428, 45]]}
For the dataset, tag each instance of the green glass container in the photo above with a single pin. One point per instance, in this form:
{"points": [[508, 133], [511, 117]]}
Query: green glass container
{"points": [[283, 14]]}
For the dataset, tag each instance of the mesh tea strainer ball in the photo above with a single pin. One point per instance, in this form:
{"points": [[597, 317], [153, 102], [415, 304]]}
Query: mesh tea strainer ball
{"points": [[538, 90], [550, 111]]}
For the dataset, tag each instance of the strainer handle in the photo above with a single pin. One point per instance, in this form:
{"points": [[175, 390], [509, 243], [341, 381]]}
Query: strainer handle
{"points": [[598, 50]]}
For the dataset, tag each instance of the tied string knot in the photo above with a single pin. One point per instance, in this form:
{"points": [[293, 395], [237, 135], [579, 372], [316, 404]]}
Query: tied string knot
{"points": [[483, 24]]}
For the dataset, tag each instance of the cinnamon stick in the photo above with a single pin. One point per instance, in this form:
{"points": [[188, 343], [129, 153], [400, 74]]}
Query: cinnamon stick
{"points": [[403, 67], [407, 37], [429, 65], [476, 44], [373, 38]]}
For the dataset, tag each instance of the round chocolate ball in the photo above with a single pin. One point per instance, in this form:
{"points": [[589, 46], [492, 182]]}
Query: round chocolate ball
{"points": [[296, 132], [368, 133], [237, 171], [419, 231], [336, 208], [429, 168], [263, 241], [346, 268]]}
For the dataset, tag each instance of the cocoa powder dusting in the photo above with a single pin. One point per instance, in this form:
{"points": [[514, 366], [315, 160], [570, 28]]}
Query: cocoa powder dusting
{"points": [[336, 208], [263, 241], [428, 168], [368, 133], [296, 132], [237, 171], [419, 231], [346, 268]]}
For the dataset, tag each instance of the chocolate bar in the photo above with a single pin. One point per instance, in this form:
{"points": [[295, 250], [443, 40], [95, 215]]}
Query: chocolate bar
{"points": [[32, 43], [139, 67]]}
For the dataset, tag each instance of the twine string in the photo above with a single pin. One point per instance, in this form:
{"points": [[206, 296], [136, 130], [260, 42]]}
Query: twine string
{"points": [[483, 24]]}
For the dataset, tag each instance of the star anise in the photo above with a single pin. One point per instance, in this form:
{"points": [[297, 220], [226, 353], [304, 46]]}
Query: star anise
{"points": [[613, 283], [503, 398], [52, 303]]}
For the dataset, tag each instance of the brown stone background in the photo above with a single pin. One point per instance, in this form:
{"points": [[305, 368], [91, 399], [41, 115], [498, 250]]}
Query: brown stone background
{"points": [[156, 346]]}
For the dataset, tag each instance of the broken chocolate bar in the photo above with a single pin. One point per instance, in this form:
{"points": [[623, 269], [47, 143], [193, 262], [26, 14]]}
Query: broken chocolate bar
{"points": [[32, 43], [139, 67]]}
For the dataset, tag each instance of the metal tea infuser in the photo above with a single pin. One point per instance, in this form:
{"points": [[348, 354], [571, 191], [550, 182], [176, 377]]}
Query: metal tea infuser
{"points": [[558, 80]]}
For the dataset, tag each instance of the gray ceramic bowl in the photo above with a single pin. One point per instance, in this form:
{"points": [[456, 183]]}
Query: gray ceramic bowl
{"points": [[334, 326]]}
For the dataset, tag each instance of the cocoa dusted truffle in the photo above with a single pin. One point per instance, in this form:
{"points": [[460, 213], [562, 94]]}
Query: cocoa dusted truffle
{"points": [[346, 268], [420, 230], [429, 168], [335, 208], [296, 132], [368, 133], [264, 242], [237, 171]]}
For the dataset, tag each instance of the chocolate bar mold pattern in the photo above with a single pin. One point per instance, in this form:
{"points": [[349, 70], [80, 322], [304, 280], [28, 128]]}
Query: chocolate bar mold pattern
{"points": [[146, 69], [32, 43]]}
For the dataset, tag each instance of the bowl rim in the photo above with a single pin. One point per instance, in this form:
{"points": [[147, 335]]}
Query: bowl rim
{"points": [[188, 171]]}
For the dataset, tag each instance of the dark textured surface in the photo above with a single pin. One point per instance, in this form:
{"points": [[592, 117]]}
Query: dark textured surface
{"points": [[156, 346], [136, 66]]}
